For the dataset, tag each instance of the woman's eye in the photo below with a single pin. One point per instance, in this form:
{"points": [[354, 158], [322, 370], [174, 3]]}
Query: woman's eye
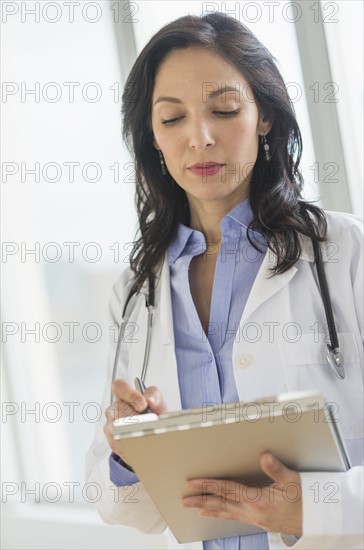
{"points": [[228, 113], [220, 113], [171, 120]]}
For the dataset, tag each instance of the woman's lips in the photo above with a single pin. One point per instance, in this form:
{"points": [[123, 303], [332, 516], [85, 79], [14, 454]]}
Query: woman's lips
{"points": [[208, 170]]}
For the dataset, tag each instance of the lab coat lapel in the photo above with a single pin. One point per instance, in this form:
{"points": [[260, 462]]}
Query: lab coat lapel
{"points": [[265, 285], [164, 295], [163, 362]]}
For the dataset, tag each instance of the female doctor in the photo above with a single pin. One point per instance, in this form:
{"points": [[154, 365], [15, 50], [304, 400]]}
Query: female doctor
{"points": [[238, 315]]}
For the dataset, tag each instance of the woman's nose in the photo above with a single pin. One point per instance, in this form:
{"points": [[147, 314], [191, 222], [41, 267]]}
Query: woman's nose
{"points": [[201, 136]]}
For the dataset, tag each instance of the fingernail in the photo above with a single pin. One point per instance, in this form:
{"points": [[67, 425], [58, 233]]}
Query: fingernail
{"points": [[192, 483], [153, 398], [271, 461]]}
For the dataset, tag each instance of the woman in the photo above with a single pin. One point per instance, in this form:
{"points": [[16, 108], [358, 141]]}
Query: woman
{"points": [[238, 312]]}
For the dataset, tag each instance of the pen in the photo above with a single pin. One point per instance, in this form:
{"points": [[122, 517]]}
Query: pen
{"points": [[140, 386]]}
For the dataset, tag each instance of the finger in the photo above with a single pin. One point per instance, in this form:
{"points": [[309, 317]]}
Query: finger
{"points": [[155, 400], [124, 392], [119, 409], [212, 502], [278, 471], [228, 490], [219, 514], [224, 489], [214, 505], [198, 501], [115, 445]]}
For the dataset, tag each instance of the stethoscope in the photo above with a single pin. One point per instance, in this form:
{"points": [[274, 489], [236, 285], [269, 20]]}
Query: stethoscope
{"points": [[128, 308], [333, 355]]}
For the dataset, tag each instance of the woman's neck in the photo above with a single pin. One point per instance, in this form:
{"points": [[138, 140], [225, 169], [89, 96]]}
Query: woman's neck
{"points": [[206, 216]]}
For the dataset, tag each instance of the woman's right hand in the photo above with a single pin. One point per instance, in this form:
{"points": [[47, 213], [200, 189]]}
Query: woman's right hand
{"points": [[129, 402]]}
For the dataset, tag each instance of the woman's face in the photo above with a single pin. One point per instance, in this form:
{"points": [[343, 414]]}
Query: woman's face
{"points": [[192, 127]]}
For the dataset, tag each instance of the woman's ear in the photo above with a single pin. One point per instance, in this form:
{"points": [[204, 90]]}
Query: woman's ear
{"points": [[265, 123]]}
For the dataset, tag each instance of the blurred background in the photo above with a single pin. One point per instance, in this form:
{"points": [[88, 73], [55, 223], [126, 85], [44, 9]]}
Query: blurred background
{"points": [[68, 219]]}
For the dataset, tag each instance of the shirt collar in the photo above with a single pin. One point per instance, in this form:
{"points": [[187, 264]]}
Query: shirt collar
{"points": [[178, 244], [231, 226], [242, 214]]}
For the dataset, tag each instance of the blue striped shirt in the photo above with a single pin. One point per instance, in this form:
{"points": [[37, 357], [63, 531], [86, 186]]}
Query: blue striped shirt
{"points": [[204, 354]]}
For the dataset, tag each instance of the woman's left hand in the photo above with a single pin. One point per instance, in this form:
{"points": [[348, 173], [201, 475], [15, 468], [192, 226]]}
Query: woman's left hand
{"points": [[275, 508]]}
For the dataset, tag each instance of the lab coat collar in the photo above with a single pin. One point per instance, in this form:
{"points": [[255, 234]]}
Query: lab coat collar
{"points": [[163, 296], [307, 252], [266, 285]]}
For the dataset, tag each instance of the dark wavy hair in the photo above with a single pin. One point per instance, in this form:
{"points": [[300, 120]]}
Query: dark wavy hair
{"points": [[279, 211]]}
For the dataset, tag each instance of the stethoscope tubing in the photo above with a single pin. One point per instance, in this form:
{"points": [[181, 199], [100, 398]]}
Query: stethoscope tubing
{"points": [[149, 302], [333, 354]]}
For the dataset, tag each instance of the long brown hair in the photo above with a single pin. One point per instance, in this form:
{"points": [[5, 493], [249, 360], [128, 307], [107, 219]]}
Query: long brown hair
{"points": [[275, 187]]}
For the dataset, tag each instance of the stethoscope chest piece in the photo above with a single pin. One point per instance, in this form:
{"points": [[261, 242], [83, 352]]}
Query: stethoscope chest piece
{"points": [[335, 361]]}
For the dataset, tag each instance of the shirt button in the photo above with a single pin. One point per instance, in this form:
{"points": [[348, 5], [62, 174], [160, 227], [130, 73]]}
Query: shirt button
{"points": [[243, 361], [209, 357]]}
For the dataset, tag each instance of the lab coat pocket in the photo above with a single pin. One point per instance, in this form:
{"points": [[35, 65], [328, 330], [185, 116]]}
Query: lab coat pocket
{"points": [[306, 368]]}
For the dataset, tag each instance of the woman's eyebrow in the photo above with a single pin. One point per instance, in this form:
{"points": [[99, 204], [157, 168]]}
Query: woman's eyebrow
{"points": [[211, 95]]}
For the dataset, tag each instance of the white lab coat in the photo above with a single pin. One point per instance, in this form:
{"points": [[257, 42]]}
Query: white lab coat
{"points": [[279, 347]]}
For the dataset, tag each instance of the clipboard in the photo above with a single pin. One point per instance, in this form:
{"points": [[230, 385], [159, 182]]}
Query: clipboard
{"points": [[226, 441]]}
